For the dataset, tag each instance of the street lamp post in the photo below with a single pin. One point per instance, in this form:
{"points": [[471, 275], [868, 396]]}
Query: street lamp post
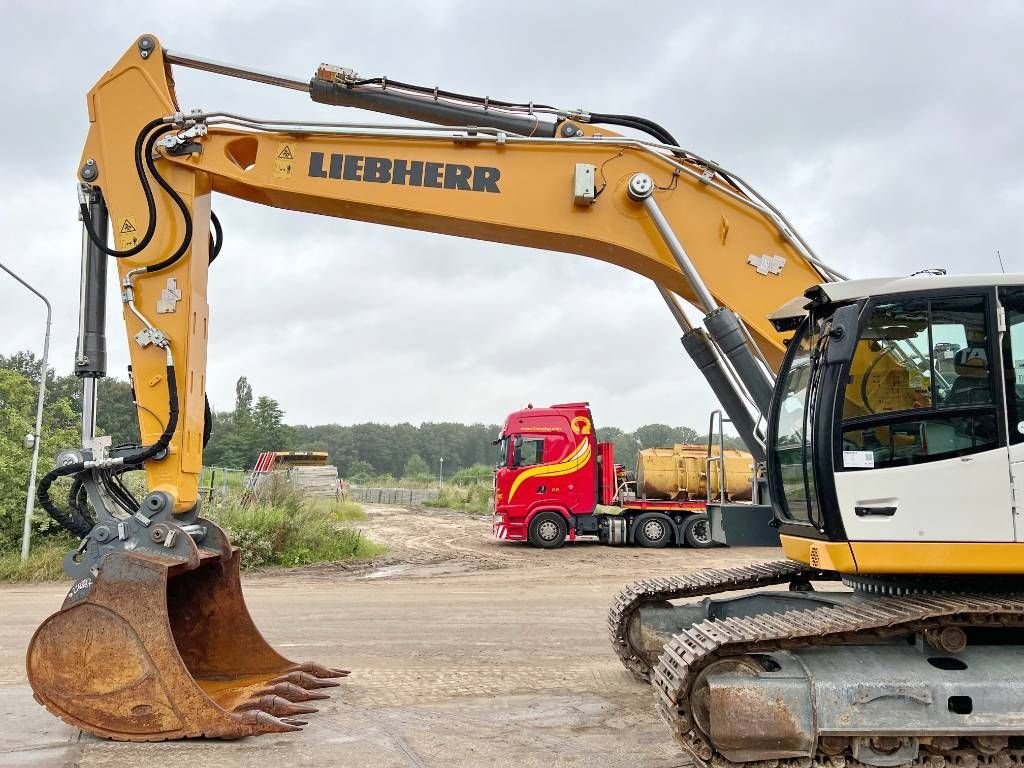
{"points": [[30, 500]]}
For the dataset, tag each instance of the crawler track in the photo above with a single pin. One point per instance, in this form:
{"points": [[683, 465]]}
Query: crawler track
{"points": [[859, 620], [633, 597]]}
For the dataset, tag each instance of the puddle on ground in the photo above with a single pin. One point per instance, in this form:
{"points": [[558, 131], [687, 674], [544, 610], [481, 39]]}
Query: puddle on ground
{"points": [[422, 570], [387, 572]]}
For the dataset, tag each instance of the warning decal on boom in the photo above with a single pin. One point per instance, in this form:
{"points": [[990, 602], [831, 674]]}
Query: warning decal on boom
{"points": [[283, 161], [127, 233]]}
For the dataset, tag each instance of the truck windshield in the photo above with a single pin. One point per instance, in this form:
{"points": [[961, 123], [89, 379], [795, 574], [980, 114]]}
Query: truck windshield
{"points": [[792, 454]]}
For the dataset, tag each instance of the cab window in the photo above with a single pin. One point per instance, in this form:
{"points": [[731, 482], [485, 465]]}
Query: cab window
{"points": [[529, 451], [920, 384], [1012, 300]]}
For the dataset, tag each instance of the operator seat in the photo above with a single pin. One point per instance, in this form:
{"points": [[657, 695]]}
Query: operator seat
{"points": [[971, 385]]}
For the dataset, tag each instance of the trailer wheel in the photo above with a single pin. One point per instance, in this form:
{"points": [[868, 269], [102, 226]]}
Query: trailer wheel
{"points": [[653, 532], [697, 532], [548, 530]]}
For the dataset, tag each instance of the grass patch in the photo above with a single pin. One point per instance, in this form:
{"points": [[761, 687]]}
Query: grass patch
{"points": [[45, 561], [474, 498], [283, 528]]}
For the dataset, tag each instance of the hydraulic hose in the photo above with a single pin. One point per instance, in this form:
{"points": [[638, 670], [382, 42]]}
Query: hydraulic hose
{"points": [[67, 519], [144, 145], [186, 240], [99, 240], [172, 423], [637, 123], [216, 237], [78, 510]]}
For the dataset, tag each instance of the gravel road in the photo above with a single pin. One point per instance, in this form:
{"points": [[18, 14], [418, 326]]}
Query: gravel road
{"points": [[464, 651]]}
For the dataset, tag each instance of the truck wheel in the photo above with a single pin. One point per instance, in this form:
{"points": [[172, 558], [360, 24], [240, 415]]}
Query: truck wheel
{"points": [[653, 532], [548, 530], [697, 532]]}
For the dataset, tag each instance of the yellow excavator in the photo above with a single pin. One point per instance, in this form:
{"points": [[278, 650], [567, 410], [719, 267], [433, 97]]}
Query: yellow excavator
{"points": [[890, 436]]}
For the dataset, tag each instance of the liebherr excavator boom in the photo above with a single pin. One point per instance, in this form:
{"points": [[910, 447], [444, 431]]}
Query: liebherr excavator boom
{"points": [[874, 446], [156, 588]]}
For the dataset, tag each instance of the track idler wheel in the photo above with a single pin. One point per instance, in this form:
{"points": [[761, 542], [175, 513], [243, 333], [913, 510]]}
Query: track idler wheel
{"points": [[160, 650]]}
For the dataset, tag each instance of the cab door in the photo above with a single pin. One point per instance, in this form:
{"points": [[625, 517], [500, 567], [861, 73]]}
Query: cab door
{"points": [[1011, 299], [545, 470], [924, 454]]}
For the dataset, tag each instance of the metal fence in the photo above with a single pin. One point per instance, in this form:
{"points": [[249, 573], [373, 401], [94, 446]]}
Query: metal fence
{"points": [[217, 483], [408, 497]]}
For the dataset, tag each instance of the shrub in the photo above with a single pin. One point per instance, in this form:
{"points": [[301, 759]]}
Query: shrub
{"points": [[475, 498], [45, 561], [478, 473], [285, 528]]}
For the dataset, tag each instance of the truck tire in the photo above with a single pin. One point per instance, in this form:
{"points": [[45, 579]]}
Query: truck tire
{"points": [[653, 532], [697, 532], [548, 530]]}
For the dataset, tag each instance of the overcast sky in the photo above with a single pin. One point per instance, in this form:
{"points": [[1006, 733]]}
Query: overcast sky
{"points": [[889, 133]]}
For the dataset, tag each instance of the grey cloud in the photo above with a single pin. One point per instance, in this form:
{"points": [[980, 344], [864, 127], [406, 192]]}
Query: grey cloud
{"points": [[889, 133]]}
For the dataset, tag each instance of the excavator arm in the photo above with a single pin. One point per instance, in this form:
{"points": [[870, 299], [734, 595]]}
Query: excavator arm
{"points": [[567, 192], [156, 584]]}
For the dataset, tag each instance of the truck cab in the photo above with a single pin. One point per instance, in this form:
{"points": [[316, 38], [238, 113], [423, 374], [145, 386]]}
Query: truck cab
{"points": [[546, 466], [554, 482]]}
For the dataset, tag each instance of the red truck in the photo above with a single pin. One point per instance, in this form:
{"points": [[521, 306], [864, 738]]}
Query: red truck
{"points": [[553, 477]]}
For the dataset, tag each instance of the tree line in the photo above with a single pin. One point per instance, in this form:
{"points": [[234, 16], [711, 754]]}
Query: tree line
{"points": [[257, 424]]}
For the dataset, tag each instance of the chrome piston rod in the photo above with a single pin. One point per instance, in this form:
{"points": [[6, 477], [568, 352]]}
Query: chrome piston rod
{"points": [[725, 328]]}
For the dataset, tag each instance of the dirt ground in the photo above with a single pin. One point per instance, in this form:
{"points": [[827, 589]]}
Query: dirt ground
{"points": [[464, 651]]}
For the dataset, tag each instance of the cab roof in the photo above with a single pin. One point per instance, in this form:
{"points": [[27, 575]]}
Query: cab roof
{"points": [[850, 290]]}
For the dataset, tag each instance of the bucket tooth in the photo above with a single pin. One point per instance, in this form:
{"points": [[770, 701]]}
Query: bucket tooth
{"points": [[305, 680], [275, 705], [292, 692], [264, 722], [319, 670]]}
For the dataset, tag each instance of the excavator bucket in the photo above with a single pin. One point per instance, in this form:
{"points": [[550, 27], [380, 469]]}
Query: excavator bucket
{"points": [[149, 650]]}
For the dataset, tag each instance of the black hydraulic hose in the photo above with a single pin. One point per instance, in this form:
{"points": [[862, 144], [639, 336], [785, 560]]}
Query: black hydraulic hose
{"points": [[186, 240], [78, 504], [144, 152], [172, 423], [116, 476], [116, 490], [207, 421], [74, 520], [62, 517], [67, 520], [637, 123], [216, 237], [98, 239]]}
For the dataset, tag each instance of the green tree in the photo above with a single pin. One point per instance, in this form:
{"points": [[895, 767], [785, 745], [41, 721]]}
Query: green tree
{"points": [[239, 436], [243, 399], [360, 471], [116, 414], [415, 467], [18, 395], [270, 431]]}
